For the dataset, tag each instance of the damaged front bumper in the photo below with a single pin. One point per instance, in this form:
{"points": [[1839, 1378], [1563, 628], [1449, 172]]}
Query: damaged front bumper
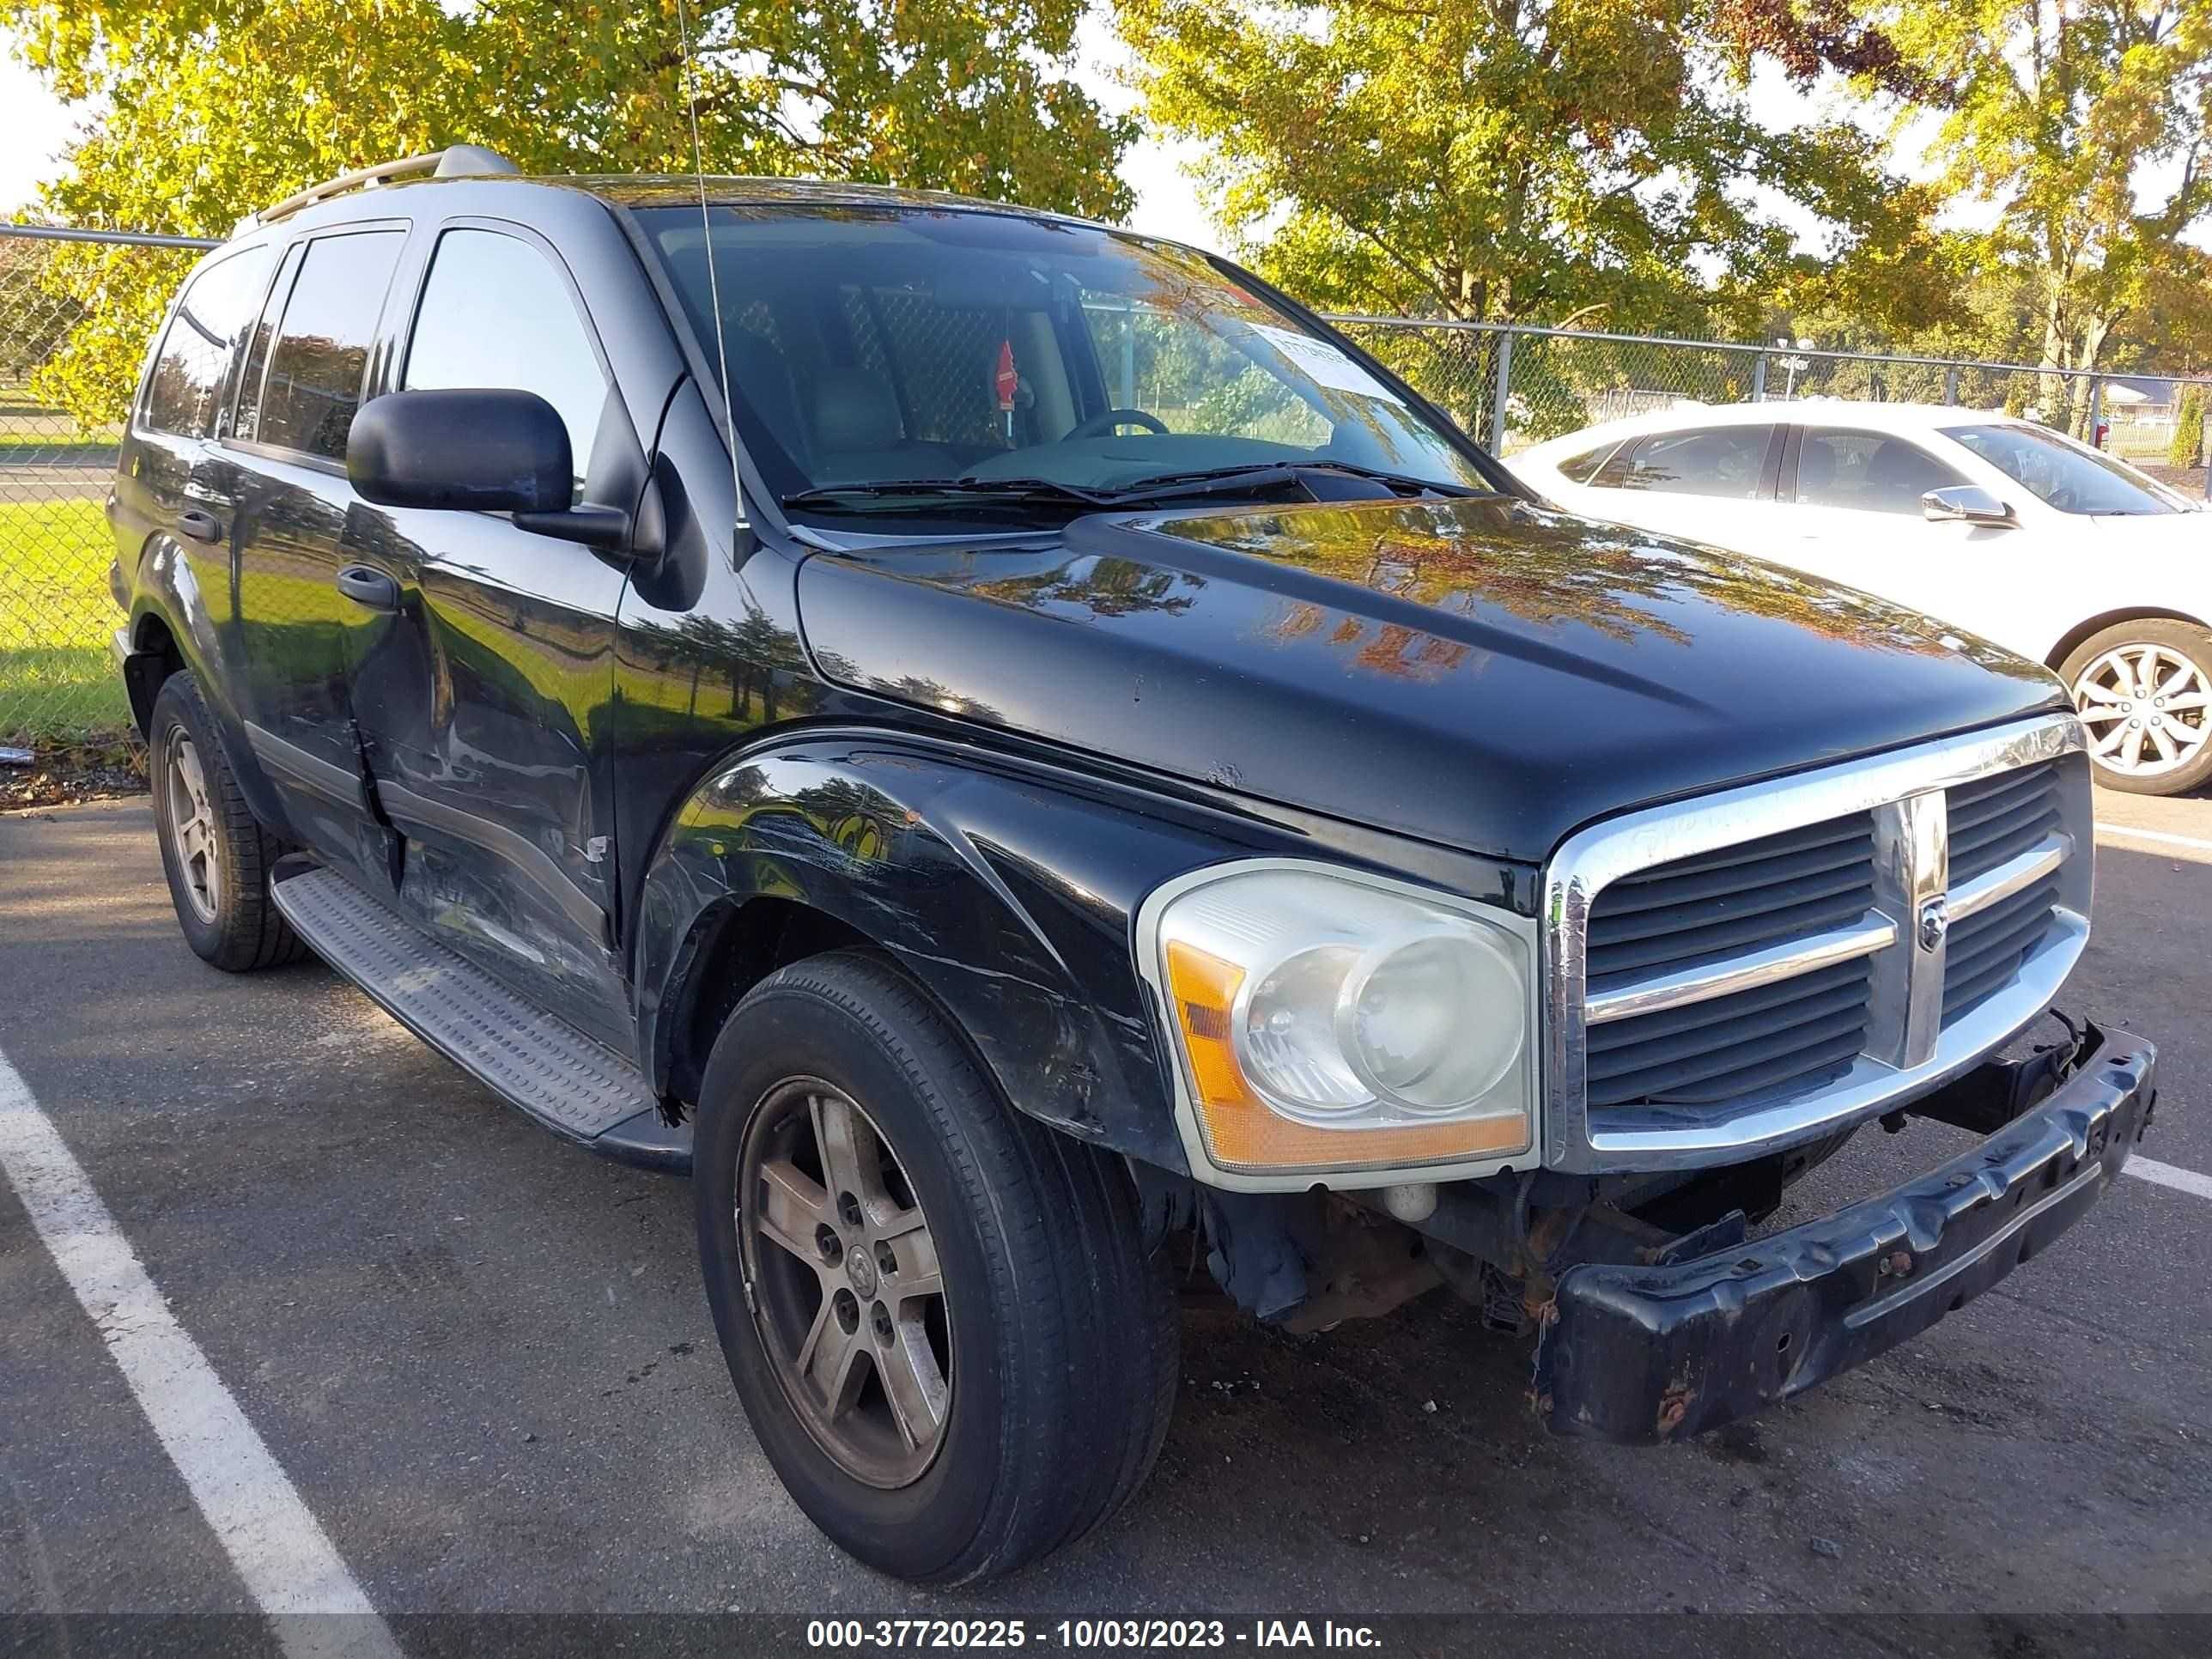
{"points": [[1649, 1354]]}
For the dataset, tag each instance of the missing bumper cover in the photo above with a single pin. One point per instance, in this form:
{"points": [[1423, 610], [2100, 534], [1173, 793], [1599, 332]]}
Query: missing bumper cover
{"points": [[1650, 1354]]}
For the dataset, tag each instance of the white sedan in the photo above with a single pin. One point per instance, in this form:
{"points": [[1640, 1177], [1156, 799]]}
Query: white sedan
{"points": [[2001, 526]]}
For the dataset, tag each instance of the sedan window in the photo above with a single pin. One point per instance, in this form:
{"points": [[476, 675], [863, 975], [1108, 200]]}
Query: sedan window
{"points": [[1868, 472], [2070, 477], [1721, 461], [1584, 468]]}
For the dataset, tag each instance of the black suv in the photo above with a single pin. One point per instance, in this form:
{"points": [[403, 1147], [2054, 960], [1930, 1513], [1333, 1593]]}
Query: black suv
{"points": [[998, 744]]}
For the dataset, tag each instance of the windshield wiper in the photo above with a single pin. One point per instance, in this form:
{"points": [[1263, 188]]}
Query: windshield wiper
{"points": [[1266, 471], [928, 493], [936, 495]]}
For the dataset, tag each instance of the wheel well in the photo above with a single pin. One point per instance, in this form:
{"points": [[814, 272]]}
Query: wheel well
{"points": [[751, 942], [2067, 647], [154, 658]]}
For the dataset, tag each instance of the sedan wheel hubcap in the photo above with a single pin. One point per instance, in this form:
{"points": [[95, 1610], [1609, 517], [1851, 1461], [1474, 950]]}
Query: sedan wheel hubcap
{"points": [[2148, 709], [842, 1279], [192, 825]]}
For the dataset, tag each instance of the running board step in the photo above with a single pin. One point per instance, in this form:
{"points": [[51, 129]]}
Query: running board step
{"points": [[575, 1087]]}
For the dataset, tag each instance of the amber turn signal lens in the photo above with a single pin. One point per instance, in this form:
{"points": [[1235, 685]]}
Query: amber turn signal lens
{"points": [[1242, 1134]]}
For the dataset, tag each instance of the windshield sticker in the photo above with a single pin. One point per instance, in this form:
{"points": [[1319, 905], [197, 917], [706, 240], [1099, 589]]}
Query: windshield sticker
{"points": [[1322, 363]]}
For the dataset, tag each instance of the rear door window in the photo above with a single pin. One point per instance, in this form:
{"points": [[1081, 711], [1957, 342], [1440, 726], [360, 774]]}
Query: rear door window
{"points": [[496, 313], [313, 381], [184, 394], [246, 416], [1726, 461], [1867, 473]]}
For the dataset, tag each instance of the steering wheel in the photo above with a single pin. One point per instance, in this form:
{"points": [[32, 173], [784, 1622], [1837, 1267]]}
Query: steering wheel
{"points": [[1099, 426]]}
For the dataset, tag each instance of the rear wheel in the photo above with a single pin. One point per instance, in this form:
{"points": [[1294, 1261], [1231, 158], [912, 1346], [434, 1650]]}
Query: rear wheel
{"points": [[938, 1314], [214, 853], [2144, 689]]}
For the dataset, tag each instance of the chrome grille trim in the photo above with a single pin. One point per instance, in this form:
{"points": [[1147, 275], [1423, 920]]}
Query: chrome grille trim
{"points": [[1706, 979], [2021, 869], [1909, 1047]]}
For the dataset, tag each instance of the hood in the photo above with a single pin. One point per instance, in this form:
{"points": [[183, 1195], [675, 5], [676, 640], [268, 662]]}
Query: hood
{"points": [[1482, 673], [2163, 531]]}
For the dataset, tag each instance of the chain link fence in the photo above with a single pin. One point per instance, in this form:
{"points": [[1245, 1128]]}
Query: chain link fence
{"points": [[1513, 387], [78, 308]]}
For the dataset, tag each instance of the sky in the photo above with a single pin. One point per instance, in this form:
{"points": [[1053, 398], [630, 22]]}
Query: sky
{"points": [[33, 126]]}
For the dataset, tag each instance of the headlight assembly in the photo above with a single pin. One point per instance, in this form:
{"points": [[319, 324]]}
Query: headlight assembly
{"points": [[1331, 1022]]}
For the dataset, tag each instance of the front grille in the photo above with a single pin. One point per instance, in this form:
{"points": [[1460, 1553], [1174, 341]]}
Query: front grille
{"points": [[1988, 947], [1707, 909], [1800, 1032], [1734, 900], [1753, 977], [1998, 817], [1993, 819]]}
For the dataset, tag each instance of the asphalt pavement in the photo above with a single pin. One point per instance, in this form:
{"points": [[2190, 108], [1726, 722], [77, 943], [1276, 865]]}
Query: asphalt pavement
{"points": [[483, 1364]]}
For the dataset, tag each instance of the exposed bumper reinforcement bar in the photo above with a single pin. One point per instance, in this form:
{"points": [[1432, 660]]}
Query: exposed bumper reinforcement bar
{"points": [[1652, 1353]]}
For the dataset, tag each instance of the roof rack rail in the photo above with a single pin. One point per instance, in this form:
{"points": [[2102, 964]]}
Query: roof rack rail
{"points": [[449, 162]]}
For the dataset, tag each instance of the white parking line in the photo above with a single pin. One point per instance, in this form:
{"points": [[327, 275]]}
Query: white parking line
{"points": [[2166, 836], [289, 1566], [2169, 1175]]}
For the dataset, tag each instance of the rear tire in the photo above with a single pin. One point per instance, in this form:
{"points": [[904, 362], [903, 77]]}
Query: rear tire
{"points": [[215, 855], [2105, 676], [1053, 1337]]}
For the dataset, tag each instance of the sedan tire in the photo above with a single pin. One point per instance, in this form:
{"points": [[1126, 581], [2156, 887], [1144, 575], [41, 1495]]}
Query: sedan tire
{"points": [[2145, 692]]}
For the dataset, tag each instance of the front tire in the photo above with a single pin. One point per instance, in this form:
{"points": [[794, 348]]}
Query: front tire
{"points": [[938, 1313], [2144, 690], [215, 855]]}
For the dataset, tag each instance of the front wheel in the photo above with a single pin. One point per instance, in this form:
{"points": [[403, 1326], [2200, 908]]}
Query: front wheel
{"points": [[938, 1314], [2144, 690]]}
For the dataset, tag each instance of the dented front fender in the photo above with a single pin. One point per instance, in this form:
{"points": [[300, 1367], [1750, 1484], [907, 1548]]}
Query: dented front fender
{"points": [[1006, 889]]}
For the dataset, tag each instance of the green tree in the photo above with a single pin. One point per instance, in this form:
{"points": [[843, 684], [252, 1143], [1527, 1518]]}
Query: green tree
{"points": [[212, 108], [1518, 161], [2060, 115], [2188, 445]]}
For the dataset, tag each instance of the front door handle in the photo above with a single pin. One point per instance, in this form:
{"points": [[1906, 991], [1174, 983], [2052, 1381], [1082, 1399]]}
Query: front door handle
{"points": [[200, 526], [369, 587]]}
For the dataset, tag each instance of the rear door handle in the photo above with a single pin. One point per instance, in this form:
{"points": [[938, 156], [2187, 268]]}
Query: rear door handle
{"points": [[369, 587], [200, 526]]}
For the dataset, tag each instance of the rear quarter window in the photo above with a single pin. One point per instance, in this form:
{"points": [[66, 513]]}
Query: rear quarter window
{"points": [[184, 392], [1582, 469]]}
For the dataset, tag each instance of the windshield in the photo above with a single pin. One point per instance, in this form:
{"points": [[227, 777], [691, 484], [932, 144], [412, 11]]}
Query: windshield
{"points": [[871, 346], [2071, 477]]}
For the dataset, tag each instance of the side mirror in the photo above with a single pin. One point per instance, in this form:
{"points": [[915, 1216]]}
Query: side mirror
{"points": [[1964, 504], [468, 451], [476, 450]]}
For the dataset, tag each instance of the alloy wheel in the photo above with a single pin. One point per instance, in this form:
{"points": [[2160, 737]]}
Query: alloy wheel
{"points": [[2148, 709], [842, 1279], [192, 834]]}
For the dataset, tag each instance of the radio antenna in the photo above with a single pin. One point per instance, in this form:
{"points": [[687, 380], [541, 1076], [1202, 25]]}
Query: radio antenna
{"points": [[706, 235]]}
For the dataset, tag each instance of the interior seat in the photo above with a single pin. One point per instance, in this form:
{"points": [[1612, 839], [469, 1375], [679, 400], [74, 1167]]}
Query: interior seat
{"points": [[1816, 473], [1899, 474], [859, 438]]}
